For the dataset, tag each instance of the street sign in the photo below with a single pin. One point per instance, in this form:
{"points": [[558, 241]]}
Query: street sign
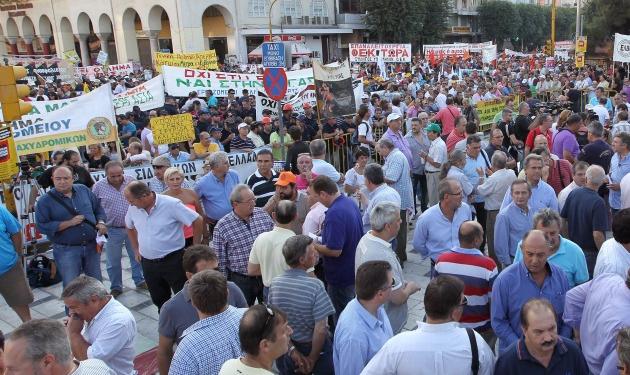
{"points": [[275, 83], [580, 45], [579, 59], [273, 55]]}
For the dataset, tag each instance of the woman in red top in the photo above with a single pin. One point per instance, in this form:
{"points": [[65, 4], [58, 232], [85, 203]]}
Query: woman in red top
{"points": [[542, 125]]}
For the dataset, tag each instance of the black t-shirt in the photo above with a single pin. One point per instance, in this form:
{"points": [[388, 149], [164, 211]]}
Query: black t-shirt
{"points": [[224, 134], [574, 96], [507, 129], [294, 150], [265, 137], [203, 126], [80, 176], [99, 163], [598, 152], [521, 127], [586, 212], [248, 112]]}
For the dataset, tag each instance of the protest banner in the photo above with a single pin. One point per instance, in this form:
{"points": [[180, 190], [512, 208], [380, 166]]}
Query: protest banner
{"points": [[147, 96], [102, 57], [172, 129], [333, 87], [369, 52], [72, 55], [357, 88], [81, 121], [120, 69], [488, 109], [509, 52], [478, 47], [181, 81], [621, 49], [297, 101], [206, 60], [91, 71], [438, 52], [489, 54]]}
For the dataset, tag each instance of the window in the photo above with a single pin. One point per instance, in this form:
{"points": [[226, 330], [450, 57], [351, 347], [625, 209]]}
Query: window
{"points": [[258, 8], [318, 8], [350, 6], [292, 8]]}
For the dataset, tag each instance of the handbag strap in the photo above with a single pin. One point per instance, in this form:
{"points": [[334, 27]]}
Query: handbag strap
{"points": [[475, 351], [71, 210]]}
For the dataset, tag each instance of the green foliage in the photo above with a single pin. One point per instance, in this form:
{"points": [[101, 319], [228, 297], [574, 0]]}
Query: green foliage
{"points": [[404, 21], [604, 18], [499, 20]]}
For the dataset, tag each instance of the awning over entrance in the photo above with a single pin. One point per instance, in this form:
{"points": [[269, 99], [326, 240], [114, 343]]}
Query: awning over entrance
{"points": [[297, 49]]}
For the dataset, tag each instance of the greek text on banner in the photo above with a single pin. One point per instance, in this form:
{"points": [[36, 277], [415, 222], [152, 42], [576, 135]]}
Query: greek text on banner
{"points": [[172, 129], [196, 60], [86, 120], [147, 96]]}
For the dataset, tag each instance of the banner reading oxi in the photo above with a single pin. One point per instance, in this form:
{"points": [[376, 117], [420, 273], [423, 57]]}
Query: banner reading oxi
{"points": [[147, 96], [369, 52], [297, 101], [181, 81], [55, 124]]}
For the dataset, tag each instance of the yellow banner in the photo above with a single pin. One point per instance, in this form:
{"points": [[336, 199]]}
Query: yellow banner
{"points": [[8, 157], [488, 109], [206, 60], [579, 59], [580, 45], [172, 129]]}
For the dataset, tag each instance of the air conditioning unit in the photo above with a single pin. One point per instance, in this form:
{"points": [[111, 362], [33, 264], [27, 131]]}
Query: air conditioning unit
{"points": [[306, 20], [287, 20], [325, 20], [316, 20]]}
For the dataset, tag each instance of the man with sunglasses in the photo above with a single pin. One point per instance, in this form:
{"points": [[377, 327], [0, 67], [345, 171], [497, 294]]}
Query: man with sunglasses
{"points": [[439, 346]]}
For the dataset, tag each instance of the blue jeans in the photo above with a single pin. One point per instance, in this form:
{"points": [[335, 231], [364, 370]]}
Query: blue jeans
{"points": [[340, 296], [113, 254], [72, 261], [323, 366]]}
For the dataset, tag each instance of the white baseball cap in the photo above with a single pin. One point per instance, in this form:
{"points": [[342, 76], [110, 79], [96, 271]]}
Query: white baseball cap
{"points": [[242, 125], [392, 117]]}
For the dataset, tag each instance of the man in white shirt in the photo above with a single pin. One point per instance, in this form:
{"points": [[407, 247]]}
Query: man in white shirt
{"points": [[47, 338], [624, 185], [321, 166], [601, 111], [434, 159], [579, 179], [614, 255], [154, 225], [493, 189], [99, 326], [439, 346]]}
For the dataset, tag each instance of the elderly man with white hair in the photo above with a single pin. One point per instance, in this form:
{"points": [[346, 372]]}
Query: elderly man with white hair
{"points": [[375, 245], [320, 165]]}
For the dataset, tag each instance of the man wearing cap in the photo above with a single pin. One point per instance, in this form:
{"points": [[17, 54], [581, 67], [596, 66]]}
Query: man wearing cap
{"points": [[242, 143], [395, 134], [262, 182], [310, 122], [433, 161], [254, 130], [128, 129], [286, 190], [247, 110], [204, 122], [203, 148], [267, 129], [287, 115], [156, 183], [215, 137], [175, 155]]}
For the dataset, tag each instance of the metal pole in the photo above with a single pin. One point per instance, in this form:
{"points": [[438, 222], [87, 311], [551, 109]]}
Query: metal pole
{"points": [[553, 27], [270, 8], [577, 21]]}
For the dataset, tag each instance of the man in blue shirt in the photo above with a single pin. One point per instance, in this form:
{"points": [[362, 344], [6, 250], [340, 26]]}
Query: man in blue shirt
{"points": [[542, 194], [13, 285], [534, 277], [341, 232], [565, 253], [513, 222], [128, 129], [73, 234], [437, 229], [214, 188], [619, 167], [363, 326], [477, 165], [175, 155], [541, 350]]}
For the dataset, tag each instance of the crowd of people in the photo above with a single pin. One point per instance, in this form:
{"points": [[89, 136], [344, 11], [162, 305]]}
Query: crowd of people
{"points": [[298, 268]]}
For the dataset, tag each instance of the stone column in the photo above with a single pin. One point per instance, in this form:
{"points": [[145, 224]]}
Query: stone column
{"points": [[104, 38], [45, 40], [28, 42], [85, 52], [153, 40], [12, 40]]}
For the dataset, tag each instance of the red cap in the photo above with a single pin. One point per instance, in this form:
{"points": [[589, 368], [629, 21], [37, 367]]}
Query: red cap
{"points": [[287, 107], [266, 120], [306, 106], [286, 178]]}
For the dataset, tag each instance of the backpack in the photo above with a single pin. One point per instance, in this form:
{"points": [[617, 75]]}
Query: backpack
{"points": [[42, 271], [355, 135]]}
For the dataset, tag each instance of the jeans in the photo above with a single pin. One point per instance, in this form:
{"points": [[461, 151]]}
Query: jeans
{"points": [[323, 366], [251, 286], [419, 182], [163, 275], [340, 296], [591, 259], [491, 219], [113, 253], [480, 215], [72, 261]]}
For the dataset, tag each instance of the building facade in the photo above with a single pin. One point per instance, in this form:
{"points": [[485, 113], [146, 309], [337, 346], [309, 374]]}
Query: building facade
{"points": [[131, 30]]}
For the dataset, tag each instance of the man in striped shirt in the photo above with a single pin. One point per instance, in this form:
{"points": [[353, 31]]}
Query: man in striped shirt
{"points": [[263, 181], [478, 272]]}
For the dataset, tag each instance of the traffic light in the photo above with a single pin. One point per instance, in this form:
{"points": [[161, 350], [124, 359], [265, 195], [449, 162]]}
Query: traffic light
{"points": [[10, 93], [549, 48]]}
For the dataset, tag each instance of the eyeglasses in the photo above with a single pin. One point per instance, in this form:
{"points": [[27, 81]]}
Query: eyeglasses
{"points": [[270, 316], [247, 201]]}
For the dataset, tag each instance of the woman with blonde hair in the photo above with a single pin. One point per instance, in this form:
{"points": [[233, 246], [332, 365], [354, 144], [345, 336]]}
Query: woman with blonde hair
{"points": [[173, 178], [562, 119], [96, 157]]}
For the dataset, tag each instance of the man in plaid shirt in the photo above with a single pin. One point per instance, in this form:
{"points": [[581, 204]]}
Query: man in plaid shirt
{"points": [[234, 236]]}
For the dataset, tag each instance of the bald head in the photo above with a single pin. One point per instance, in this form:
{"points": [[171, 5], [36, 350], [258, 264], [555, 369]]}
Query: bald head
{"points": [[62, 179], [470, 235], [541, 141]]}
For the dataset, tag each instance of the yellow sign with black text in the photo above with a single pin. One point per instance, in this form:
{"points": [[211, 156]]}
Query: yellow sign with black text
{"points": [[206, 60], [172, 129]]}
